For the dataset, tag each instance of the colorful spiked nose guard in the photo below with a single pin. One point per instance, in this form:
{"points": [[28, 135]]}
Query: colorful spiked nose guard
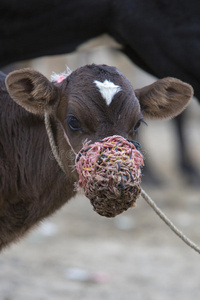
{"points": [[110, 174]]}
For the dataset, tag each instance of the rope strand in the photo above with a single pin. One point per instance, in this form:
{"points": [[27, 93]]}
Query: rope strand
{"points": [[52, 141], [179, 233]]}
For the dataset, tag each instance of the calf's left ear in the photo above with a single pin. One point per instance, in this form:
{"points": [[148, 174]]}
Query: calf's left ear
{"points": [[32, 90], [165, 98]]}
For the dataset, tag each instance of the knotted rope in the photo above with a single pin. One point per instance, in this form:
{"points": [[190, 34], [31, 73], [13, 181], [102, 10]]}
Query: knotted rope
{"points": [[110, 174], [133, 181]]}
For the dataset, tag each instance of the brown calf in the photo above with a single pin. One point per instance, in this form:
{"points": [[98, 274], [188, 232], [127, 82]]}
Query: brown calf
{"points": [[91, 103]]}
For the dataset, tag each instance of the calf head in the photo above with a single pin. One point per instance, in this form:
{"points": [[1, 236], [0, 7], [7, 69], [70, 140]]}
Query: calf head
{"points": [[96, 101]]}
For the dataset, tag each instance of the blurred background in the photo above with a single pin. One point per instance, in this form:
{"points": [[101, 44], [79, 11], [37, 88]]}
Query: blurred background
{"points": [[77, 254]]}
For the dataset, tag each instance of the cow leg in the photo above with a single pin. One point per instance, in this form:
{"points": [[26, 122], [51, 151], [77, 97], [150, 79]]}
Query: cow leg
{"points": [[185, 161]]}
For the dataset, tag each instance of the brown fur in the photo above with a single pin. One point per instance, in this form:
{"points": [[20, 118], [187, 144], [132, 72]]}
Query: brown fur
{"points": [[32, 186], [171, 96]]}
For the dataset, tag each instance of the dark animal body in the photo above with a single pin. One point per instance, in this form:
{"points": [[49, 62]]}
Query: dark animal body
{"points": [[160, 36], [93, 102]]}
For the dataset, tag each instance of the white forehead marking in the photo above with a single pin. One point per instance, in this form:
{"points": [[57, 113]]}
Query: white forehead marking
{"points": [[107, 89]]}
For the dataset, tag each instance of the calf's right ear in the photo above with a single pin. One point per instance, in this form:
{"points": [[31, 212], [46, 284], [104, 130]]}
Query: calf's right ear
{"points": [[32, 90]]}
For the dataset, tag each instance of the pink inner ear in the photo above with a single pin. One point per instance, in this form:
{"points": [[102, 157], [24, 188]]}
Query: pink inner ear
{"points": [[60, 78]]}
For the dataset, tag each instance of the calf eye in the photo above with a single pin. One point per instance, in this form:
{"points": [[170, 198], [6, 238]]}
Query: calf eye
{"points": [[73, 123], [137, 125]]}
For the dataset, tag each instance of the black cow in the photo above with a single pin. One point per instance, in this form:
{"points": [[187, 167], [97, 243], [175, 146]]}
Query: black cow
{"points": [[160, 36]]}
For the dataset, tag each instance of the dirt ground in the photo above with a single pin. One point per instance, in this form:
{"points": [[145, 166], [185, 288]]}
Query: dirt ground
{"points": [[77, 254]]}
